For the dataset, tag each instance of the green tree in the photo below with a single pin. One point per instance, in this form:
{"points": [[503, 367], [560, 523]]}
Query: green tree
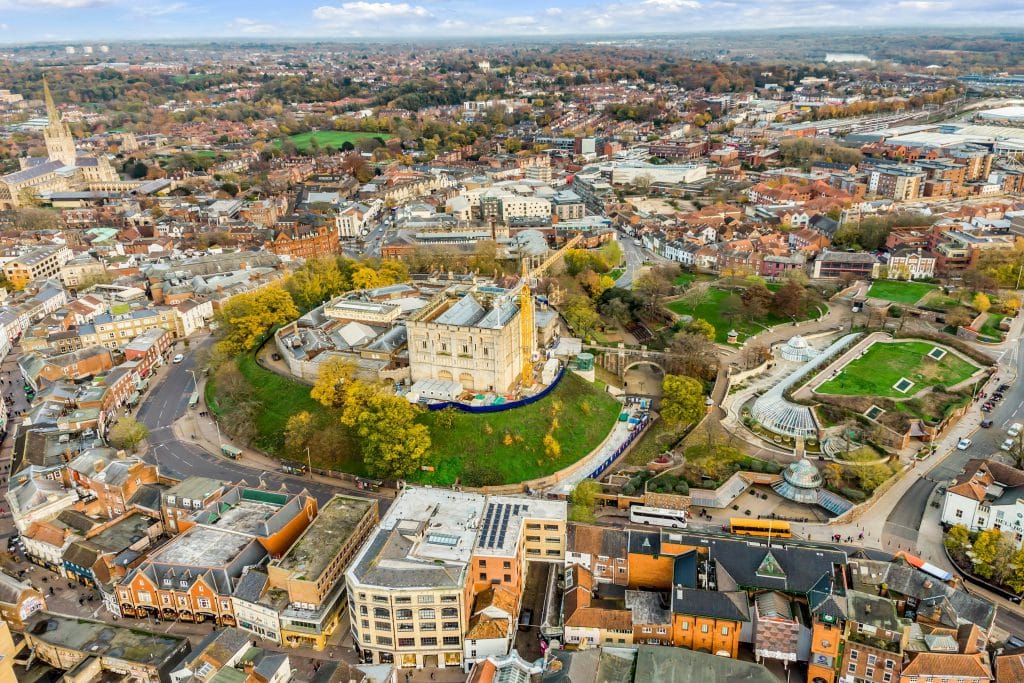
{"points": [[330, 380], [682, 401], [701, 327], [580, 314], [315, 282], [583, 501], [393, 445], [127, 433], [791, 300]]}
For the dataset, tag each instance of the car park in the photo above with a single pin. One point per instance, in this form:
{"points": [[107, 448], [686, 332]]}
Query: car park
{"points": [[963, 444]]}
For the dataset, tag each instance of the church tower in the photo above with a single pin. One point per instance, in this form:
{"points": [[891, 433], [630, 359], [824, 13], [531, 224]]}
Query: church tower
{"points": [[60, 146]]}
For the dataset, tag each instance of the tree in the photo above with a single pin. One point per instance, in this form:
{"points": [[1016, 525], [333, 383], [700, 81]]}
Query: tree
{"points": [[1011, 304], [981, 302], [959, 317], [757, 300], [583, 501], [701, 327], [791, 300], [393, 445], [580, 314], [870, 477], [693, 355], [330, 379], [958, 540], [318, 280], [297, 432], [127, 433], [246, 318], [682, 401]]}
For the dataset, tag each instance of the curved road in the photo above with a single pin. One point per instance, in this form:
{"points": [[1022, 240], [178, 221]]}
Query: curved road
{"points": [[168, 401]]}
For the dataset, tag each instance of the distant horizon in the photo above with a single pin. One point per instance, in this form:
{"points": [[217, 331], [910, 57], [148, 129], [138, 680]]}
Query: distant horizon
{"points": [[29, 23]]}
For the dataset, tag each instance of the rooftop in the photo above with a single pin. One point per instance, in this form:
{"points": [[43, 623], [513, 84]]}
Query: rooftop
{"points": [[320, 543], [102, 639], [202, 547]]}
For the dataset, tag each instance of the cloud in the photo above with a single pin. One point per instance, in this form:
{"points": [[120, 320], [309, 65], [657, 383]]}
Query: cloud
{"points": [[250, 27], [553, 11], [57, 4], [4, 27], [519, 21], [159, 10], [370, 11]]}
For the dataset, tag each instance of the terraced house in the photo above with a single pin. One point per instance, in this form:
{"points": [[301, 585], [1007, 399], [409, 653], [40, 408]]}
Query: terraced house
{"points": [[192, 577]]}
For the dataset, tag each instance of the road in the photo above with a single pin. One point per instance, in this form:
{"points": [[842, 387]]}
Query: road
{"points": [[634, 256], [168, 401], [904, 521]]}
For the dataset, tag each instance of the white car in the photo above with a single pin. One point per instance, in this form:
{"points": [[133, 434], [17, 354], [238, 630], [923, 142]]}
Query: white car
{"points": [[1014, 429], [1007, 444], [178, 358], [963, 444]]}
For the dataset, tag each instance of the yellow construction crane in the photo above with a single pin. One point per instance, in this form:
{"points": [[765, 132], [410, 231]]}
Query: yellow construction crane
{"points": [[526, 324]]}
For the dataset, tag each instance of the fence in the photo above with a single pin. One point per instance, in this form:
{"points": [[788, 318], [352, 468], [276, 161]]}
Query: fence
{"points": [[504, 406], [610, 460]]}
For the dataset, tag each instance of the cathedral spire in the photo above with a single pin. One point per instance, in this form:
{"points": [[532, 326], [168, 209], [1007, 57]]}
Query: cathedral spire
{"points": [[51, 108]]}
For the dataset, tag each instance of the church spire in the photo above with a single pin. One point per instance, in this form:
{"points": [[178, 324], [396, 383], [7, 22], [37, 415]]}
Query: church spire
{"points": [[51, 108]]}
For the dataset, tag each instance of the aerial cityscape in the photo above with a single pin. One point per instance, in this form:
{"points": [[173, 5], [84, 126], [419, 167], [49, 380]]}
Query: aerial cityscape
{"points": [[394, 342]]}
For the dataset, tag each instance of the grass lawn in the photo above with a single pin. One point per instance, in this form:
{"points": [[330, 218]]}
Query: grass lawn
{"points": [[480, 440], [658, 438], [616, 273], [938, 300], [899, 291], [711, 310], [990, 328], [331, 138], [281, 398], [875, 373]]}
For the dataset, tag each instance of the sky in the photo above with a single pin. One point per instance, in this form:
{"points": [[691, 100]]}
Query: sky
{"points": [[96, 20]]}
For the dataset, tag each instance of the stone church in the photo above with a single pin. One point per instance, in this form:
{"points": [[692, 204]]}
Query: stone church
{"points": [[63, 169]]}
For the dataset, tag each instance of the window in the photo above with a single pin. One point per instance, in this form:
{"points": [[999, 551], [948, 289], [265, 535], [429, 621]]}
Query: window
{"points": [[203, 603], [704, 628], [450, 626], [483, 576], [482, 563], [366, 623], [406, 642], [686, 626], [532, 526], [854, 654], [403, 614], [384, 640], [872, 659], [428, 642], [428, 626], [425, 599], [403, 601], [506, 565], [508, 578], [380, 598], [725, 630], [405, 627], [533, 539], [428, 613], [853, 667], [646, 629], [869, 672], [959, 514], [449, 598], [363, 610], [382, 625], [449, 612], [450, 640], [550, 527], [886, 677], [381, 613], [889, 664]]}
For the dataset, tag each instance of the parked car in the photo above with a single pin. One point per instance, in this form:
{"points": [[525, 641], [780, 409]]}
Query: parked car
{"points": [[996, 397], [987, 408], [1002, 387], [963, 444], [1007, 444], [178, 358], [985, 424], [1014, 429]]}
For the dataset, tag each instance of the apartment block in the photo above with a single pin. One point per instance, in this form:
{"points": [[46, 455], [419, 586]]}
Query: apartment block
{"points": [[39, 263], [413, 586]]}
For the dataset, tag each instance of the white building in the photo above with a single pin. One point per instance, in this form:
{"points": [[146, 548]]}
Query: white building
{"points": [[987, 495]]}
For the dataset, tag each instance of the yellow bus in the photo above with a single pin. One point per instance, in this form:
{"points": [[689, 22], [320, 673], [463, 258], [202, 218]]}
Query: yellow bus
{"points": [[759, 527]]}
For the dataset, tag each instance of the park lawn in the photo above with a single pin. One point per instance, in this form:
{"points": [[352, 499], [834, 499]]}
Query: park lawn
{"points": [[467, 443], [616, 273], [280, 398], [899, 291], [882, 366], [939, 300], [711, 310], [331, 138], [990, 328]]}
